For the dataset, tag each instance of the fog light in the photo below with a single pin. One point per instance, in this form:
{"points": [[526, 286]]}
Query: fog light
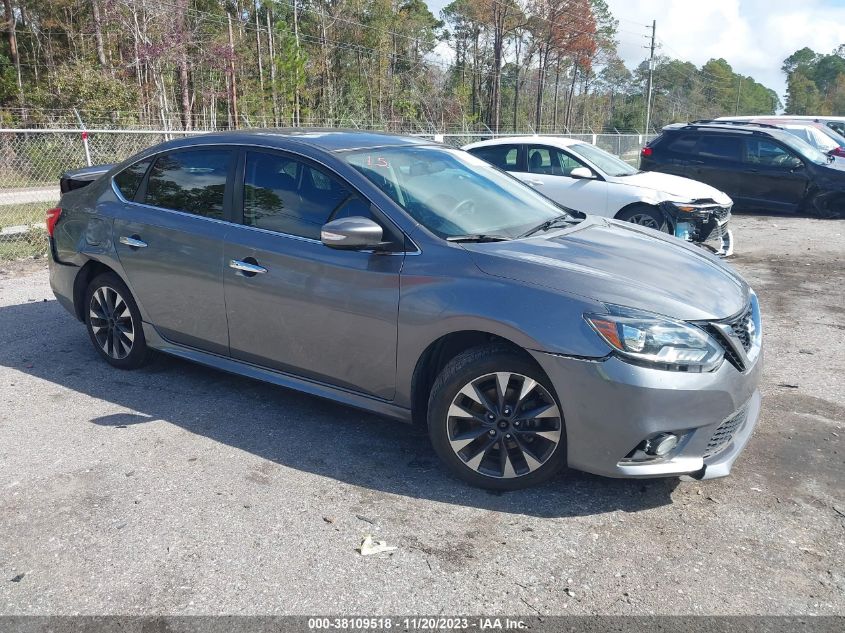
{"points": [[661, 444]]}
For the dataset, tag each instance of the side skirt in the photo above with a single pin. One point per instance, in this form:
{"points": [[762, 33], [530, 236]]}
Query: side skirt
{"points": [[289, 381]]}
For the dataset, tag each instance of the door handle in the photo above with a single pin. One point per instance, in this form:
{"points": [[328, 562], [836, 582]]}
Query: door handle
{"points": [[247, 268], [133, 241]]}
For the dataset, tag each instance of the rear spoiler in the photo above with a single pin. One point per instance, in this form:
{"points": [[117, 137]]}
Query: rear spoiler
{"points": [[78, 178]]}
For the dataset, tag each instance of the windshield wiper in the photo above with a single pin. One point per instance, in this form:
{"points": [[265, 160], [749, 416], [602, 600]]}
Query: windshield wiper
{"points": [[478, 237], [549, 224]]}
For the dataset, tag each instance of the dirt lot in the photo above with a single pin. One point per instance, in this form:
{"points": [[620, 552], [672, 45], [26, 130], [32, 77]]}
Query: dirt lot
{"points": [[182, 490]]}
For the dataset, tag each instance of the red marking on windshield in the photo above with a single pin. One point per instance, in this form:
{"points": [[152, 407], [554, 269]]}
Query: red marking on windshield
{"points": [[379, 161]]}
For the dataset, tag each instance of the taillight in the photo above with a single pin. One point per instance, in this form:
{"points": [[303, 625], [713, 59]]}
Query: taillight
{"points": [[647, 151], [51, 219]]}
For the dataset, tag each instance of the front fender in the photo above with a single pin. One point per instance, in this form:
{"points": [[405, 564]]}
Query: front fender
{"points": [[530, 316]]}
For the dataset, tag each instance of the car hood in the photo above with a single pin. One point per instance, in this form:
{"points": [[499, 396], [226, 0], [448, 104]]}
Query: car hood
{"points": [[623, 264], [674, 187]]}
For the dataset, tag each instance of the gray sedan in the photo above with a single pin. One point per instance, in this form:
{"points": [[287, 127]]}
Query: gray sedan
{"points": [[420, 283]]}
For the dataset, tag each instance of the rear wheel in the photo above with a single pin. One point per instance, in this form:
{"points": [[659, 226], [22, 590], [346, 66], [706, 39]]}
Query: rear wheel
{"points": [[495, 422], [645, 215], [114, 322]]}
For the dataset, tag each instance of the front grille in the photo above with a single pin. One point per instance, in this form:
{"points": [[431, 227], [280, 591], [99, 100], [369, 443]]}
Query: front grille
{"points": [[711, 231], [722, 213], [725, 433], [742, 327]]}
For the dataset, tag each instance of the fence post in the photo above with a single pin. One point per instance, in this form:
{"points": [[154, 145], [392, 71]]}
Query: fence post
{"points": [[87, 150], [84, 137]]}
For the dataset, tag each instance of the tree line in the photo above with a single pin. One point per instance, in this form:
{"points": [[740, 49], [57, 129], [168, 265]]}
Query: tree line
{"points": [[815, 82], [501, 65]]}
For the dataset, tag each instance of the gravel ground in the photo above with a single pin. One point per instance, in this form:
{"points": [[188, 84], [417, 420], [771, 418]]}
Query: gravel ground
{"points": [[181, 490]]}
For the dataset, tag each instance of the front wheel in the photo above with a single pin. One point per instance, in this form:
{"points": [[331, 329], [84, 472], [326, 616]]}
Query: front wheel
{"points": [[495, 422], [647, 216], [827, 207], [114, 322]]}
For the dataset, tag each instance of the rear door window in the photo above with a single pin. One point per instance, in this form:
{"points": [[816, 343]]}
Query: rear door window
{"points": [[287, 195], [502, 156], [130, 178], [192, 181], [719, 147]]}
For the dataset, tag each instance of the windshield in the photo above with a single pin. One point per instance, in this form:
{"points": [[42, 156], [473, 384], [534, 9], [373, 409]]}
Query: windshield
{"points": [[453, 193], [608, 163], [804, 149]]}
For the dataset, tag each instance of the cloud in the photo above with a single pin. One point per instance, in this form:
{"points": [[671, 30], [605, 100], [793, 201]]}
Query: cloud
{"points": [[754, 36]]}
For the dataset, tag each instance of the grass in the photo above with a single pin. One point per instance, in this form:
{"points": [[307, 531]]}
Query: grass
{"points": [[27, 244], [26, 213]]}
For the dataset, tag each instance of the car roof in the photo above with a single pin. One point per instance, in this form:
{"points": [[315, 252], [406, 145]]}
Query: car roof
{"points": [[820, 117], [780, 121], [557, 141], [729, 127], [330, 140]]}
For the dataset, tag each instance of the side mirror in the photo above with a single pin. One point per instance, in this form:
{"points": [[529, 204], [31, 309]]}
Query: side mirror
{"points": [[351, 234], [795, 164], [583, 173]]}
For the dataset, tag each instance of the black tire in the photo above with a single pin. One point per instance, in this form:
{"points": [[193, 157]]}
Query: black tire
{"points": [[116, 333], [638, 213], [826, 207], [522, 446]]}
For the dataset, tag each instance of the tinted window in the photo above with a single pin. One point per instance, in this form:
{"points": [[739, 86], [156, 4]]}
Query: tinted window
{"points": [[289, 196], [682, 144], [130, 178], [502, 156], [722, 147], [759, 151], [192, 181]]}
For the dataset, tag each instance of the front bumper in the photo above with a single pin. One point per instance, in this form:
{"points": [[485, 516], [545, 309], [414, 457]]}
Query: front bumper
{"points": [[611, 406]]}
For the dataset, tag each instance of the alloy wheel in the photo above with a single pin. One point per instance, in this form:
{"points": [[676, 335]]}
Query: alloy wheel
{"points": [[504, 425], [643, 219], [111, 322]]}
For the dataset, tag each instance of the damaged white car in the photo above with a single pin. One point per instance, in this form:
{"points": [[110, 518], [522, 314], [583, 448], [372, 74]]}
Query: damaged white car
{"points": [[585, 178]]}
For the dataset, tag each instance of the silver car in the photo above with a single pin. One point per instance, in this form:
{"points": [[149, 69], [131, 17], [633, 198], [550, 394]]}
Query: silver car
{"points": [[417, 282]]}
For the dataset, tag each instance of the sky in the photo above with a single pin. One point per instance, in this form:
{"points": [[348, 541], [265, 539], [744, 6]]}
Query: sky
{"points": [[754, 36]]}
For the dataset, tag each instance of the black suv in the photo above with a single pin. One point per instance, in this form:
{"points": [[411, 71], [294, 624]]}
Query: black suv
{"points": [[760, 166]]}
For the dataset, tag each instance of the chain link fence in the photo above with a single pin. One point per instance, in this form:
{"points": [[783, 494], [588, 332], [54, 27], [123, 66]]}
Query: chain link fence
{"points": [[31, 162]]}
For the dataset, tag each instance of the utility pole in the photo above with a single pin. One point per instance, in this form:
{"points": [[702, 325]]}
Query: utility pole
{"points": [[650, 78], [738, 92]]}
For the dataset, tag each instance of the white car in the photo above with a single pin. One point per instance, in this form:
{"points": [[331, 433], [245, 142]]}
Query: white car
{"points": [[585, 178]]}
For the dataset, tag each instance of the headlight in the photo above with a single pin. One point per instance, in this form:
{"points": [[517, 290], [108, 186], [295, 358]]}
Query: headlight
{"points": [[656, 341], [687, 209]]}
